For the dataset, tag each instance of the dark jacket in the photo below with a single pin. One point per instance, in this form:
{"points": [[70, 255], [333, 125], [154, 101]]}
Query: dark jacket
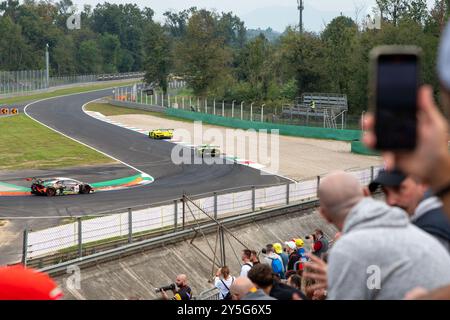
{"points": [[293, 258], [281, 291], [430, 217]]}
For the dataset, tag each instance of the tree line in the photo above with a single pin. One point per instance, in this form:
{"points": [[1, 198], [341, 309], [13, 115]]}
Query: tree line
{"points": [[214, 52]]}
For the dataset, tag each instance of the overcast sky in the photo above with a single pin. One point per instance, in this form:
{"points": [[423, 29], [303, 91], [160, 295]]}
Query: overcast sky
{"points": [[261, 13]]}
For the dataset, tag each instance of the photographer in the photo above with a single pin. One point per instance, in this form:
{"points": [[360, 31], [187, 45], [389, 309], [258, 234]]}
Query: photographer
{"points": [[320, 245], [180, 289]]}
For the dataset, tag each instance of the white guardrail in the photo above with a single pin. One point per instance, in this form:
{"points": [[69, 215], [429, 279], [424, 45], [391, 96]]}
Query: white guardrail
{"points": [[54, 239]]}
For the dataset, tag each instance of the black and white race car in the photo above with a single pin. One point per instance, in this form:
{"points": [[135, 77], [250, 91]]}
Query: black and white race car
{"points": [[59, 186]]}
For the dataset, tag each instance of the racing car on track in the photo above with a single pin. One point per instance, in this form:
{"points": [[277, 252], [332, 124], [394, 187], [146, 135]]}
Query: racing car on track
{"points": [[161, 134], [59, 186], [207, 150]]}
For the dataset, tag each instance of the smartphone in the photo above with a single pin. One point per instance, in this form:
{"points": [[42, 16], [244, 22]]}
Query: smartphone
{"points": [[394, 84]]}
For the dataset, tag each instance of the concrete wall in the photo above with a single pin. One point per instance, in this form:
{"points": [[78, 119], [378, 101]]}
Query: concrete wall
{"points": [[136, 276]]}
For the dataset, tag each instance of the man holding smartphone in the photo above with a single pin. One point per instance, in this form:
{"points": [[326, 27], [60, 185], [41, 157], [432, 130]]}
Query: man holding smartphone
{"points": [[430, 160]]}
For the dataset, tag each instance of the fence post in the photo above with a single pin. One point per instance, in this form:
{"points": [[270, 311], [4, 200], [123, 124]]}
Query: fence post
{"points": [[318, 185], [141, 102], [184, 210], [182, 102], [215, 205], [287, 192], [232, 108], [251, 111], [223, 108], [175, 220], [242, 110], [168, 100], [80, 238], [371, 174], [206, 105], [222, 246], [262, 113], [214, 107], [25, 247], [162, 99], [253, 199], [130, 225]]}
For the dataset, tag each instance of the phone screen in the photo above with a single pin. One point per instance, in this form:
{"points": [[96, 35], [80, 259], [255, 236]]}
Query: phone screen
{"points": [[396, 102]]}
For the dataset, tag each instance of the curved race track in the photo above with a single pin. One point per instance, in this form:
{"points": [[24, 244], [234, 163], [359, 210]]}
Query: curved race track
{"points": [[65, 115]]}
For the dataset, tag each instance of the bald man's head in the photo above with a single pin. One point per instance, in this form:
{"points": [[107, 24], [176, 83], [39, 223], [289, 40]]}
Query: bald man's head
{"points": [[240, 287], [339, 192], [181, 280]]}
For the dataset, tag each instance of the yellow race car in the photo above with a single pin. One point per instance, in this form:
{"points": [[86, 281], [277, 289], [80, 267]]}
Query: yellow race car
{"points": [[161, 134]]}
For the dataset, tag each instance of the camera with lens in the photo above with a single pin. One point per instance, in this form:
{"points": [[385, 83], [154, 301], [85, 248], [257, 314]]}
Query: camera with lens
{"points": [[311, 237], [170, 287]]}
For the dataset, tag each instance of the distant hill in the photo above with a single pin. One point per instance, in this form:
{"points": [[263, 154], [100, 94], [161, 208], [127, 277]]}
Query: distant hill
{"points": [[279, 17], [270, 34]]}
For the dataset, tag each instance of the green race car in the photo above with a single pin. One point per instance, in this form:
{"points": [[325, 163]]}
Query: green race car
{"points": [[208, 150], [161, 134]]}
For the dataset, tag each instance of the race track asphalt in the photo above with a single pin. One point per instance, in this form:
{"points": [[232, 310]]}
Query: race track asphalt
{"points": [[153, 157]]}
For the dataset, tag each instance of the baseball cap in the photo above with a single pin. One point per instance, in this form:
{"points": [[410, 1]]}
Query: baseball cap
{"points": [[278, 248], [20, 283], [299, 243], [291, 244], [444, 58], [387, 178]]}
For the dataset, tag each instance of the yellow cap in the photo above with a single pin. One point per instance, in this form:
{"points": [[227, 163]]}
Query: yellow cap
{"points": [[278, 248], [299, 243]]}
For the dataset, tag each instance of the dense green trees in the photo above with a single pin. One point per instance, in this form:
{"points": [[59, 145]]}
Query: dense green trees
{"points": [[214, 51]]}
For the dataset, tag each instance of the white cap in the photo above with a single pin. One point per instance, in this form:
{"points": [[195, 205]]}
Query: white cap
{"points": [[444, 58], [291, 244]]}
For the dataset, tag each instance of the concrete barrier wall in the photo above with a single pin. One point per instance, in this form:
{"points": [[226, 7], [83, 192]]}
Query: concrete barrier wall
{"points": [[136, 276]]}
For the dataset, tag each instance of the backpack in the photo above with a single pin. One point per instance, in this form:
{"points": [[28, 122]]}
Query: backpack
{"points": [[277, 266], [228, 295]]}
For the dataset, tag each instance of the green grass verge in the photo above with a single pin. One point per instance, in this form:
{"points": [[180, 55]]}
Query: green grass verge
{"points": [[25, 144], [61, 92], [110, 110]]}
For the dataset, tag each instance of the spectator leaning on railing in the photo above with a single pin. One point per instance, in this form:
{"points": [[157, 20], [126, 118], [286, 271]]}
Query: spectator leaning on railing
{"points": [[380, 255]]}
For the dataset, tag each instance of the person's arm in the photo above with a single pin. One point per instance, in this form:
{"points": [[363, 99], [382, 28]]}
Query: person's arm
{"points": [[316, 270], [164, 295], [422, 294]]}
